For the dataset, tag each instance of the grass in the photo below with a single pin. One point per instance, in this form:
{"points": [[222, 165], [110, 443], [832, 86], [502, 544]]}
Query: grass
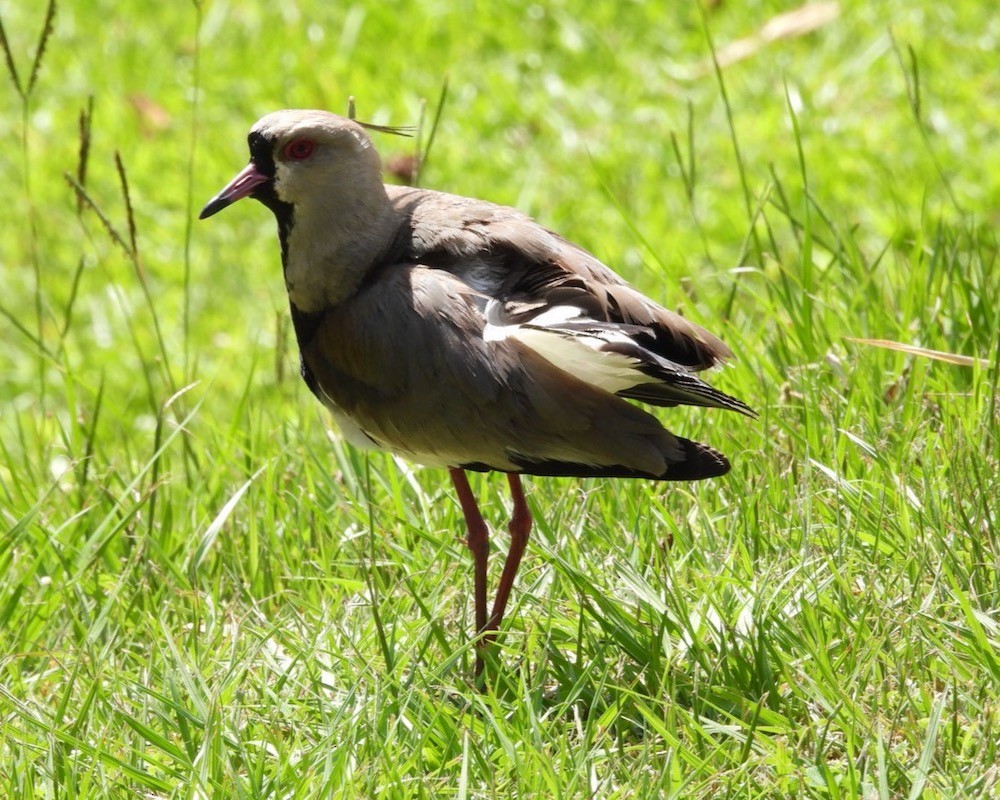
{"points": [[205, 593]]}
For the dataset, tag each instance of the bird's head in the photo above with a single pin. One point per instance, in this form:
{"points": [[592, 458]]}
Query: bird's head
{"points": [[299, 155]]}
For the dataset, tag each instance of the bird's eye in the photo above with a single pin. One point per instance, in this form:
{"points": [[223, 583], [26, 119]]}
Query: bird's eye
{"points": [[299, 150]]}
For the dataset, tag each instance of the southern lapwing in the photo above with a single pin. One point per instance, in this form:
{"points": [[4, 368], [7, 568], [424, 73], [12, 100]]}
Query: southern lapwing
{"points": [[461, 334]]}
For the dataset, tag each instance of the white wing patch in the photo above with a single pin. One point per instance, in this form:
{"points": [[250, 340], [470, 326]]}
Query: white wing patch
{"points": [[551, 316], [576, 353]]}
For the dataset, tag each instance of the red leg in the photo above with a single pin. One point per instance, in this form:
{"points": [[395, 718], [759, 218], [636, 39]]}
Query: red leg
{"points": [[520, 527], [479, 543]]}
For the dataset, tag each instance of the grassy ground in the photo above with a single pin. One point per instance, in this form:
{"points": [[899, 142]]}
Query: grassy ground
{"points": [[204, 593]]}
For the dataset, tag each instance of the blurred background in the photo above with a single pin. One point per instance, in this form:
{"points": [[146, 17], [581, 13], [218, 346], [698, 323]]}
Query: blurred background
{"points": [[205, 593]]}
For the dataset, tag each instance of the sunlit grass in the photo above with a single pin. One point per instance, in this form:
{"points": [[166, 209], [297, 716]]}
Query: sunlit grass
{"points": [[205, 593]]}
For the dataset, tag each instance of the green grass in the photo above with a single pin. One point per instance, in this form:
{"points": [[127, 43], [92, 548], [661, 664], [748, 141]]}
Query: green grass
{"points": [[204, 593]]}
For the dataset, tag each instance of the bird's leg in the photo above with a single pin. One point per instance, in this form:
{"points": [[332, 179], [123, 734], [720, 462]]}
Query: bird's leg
{"points": [[520, 527], [479, 543]]}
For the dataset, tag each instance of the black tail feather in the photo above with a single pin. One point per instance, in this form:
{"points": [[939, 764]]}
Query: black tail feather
{"points": [[698, 462]]}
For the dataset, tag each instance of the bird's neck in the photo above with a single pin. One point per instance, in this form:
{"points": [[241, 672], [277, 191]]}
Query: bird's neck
{"points": [[330, 247]]}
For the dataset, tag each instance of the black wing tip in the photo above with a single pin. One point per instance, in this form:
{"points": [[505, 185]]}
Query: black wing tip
{"points": [[737, 405], [668, 395]]}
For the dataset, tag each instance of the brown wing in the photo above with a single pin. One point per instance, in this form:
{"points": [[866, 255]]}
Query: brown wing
{"points": [[508, 257]]}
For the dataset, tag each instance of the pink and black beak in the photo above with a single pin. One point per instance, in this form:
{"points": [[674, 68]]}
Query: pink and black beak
{"points": [[243, 185]]}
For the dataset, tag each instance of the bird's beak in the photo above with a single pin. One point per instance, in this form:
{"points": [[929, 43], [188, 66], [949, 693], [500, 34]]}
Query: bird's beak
{"points": [[239, 187]]}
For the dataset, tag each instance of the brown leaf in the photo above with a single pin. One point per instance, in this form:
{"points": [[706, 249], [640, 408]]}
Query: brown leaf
{"points": [[153, 117], [789, 25], [403, 167], [913, 350]]}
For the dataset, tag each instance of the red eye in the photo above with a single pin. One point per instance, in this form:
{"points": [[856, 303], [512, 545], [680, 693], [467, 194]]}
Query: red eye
{"points": [[299, 150]]}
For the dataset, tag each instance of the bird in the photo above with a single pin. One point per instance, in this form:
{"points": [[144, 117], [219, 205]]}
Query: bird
{"points": [[463, 335]]}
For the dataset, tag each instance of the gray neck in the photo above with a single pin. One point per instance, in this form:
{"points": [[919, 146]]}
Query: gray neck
{"points": [[333, 245]]}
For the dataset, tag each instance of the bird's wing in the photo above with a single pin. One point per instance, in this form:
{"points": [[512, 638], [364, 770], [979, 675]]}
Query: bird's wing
{"points": [[406, 360], [560, 301], [509, 257], [611, 356]]}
